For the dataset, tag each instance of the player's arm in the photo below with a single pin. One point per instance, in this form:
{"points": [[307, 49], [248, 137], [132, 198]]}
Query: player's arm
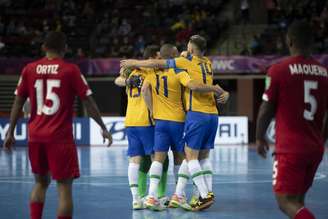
{"points": [[14, 115], [93, 111], [267, 111], [325, 128], [150, 63], [147, 95]]}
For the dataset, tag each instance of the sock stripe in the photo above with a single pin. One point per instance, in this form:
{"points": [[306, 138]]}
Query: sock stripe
{"points": [[207, 172], [183, 176], [155, 176], [197, 174], [133, 185]]}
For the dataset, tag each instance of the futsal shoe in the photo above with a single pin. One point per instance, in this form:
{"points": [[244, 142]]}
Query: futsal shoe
{"points": [[138, 205], [212, 195], [153, 204], [193, 201], [181, 202], [203, 203], [164, 201]]}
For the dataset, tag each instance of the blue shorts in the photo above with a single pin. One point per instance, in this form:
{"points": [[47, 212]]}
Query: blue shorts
{"points": [[200, 130], [168, 134], [141, 140]]}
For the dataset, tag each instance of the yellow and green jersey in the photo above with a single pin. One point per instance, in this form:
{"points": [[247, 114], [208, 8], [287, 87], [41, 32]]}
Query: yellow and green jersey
{"points": [[167, 94], [200, 70], [137, 113]]}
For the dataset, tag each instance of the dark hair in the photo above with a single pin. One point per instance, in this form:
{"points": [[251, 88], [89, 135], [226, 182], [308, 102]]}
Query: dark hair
{"points": [[150, 51], [199, 42], [55, 41], [301, 34], [166, 51]]}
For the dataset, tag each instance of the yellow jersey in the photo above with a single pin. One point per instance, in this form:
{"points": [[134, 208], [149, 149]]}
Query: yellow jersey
{"points": [[137, 113], [200, 70], [167, 94]]}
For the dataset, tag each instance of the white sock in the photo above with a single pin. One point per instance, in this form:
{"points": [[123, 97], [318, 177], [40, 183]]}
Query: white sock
{"points": [[155, 174], [197, 176], [176, 172], [133, 174], [195, 191], [208, 172], [182, 179]]}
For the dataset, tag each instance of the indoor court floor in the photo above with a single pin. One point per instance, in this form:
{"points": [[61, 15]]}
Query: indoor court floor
{"points": [[242, 184]]}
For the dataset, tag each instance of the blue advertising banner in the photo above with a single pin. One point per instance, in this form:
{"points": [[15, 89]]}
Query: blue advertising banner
{"points": [[81, 131]]}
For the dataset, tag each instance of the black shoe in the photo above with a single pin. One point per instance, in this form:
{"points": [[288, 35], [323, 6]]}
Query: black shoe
{"points": [[203, 203]]}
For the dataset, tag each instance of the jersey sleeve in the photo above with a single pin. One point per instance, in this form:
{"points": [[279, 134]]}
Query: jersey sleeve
{"points": [[22, 86], [80, 84], [180, 62], [183, 76], [272, 85]]}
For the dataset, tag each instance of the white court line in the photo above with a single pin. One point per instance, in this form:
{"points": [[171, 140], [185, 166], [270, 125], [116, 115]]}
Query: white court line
{"points": [[215, 182]]}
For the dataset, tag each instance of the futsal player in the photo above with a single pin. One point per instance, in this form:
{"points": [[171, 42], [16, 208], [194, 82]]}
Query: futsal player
{"points": [[52, 84], [163, 93], [202, 116], [140, 131], [297, 96]]}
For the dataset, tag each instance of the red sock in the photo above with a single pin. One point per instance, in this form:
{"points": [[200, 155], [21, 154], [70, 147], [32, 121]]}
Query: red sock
{"points": [[64, 217], [304, 213], [36, 209]]}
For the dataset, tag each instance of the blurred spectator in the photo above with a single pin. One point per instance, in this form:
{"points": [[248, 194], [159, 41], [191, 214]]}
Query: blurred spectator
{"points": [[126, 48], [2, 27], [255, 45], [80, 54], [2, 44], [21, 29], [139, 46], [244, 8], [125, 28]]}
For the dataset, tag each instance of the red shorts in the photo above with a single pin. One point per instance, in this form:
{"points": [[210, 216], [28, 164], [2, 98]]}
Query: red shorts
{"points": [[60, 160], [293, 174]]}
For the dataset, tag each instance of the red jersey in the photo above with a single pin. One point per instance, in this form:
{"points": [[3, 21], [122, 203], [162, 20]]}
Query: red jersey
{"points": [[299, 89], [52, 86]]}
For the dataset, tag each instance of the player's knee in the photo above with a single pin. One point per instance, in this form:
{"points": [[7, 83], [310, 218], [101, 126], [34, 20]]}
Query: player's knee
{"points": [[135, 159], [283, 203], [42, 182], [178, 158], [160, 156], [204, 154]]}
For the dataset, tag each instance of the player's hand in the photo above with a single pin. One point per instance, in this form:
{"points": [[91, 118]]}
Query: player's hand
{"points": [[107, 135], [184, 54], [223, 98], [262, 147], [134, 81], [127, 63], [9, 142]]}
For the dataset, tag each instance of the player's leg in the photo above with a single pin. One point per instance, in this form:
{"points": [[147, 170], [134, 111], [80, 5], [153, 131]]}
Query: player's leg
{"points": [[64, 167], [155, 174], [195, 132], [163, 182], [38, 195], [143, 172], [292, 179], [135, 152], [161, 147], [206, 165], [65, 199], [205, 152], [39, 164]]}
